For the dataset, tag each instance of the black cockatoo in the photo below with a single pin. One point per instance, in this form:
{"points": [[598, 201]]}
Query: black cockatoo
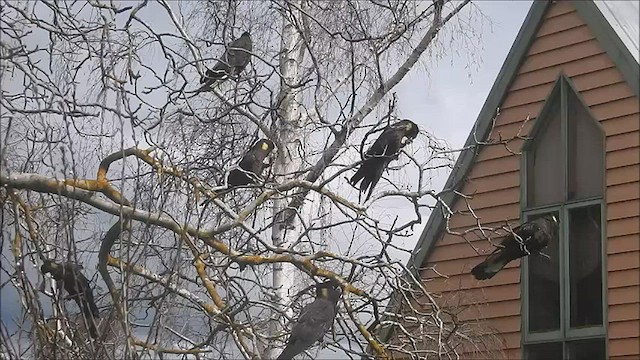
{"points": [[235, 58], [535, 235], [315, 319], [384, 149], [77, 287], [252, 164]]}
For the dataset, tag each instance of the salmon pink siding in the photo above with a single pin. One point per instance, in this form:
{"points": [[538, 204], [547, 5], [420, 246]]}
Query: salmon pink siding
{"points": [[563, 44]]}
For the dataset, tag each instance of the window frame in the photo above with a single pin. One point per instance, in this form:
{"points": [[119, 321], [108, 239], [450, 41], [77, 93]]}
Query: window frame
{"points": [[564, 334]]}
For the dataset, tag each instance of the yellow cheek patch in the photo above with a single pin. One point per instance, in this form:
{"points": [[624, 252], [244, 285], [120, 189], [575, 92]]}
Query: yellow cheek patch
{"points": [[409, 126], [265, 146]]}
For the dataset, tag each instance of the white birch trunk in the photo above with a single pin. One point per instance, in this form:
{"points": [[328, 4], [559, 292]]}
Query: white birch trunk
{"points": [[288, 160]]}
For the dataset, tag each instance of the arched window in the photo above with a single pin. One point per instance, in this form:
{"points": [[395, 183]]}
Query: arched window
{"points": [[563, 173]]}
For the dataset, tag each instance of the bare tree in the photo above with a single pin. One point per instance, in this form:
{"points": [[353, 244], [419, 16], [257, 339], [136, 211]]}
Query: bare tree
{"points": [[112, 155]]}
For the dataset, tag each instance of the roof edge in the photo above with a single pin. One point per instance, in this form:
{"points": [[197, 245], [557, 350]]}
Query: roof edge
{"points": [[610, 42]]}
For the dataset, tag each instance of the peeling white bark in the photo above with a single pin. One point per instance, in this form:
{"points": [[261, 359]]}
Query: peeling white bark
{"points": [[288, 160]]}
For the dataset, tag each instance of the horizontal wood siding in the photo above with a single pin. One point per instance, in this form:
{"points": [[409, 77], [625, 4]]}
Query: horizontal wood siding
{"points": [[564, 44]]}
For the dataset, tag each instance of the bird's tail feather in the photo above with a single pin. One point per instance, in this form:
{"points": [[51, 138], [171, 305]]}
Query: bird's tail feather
{"points": [[373, 181], [369, 172], [357, 176], [490, 266], [219, 72], [88, 312], [92, 329]]}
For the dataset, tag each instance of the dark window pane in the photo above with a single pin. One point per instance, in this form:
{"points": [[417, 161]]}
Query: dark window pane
{"points": [[549, 351], [586, 151], [544, 288], [592, 349], [585, 266], [545, 182]]}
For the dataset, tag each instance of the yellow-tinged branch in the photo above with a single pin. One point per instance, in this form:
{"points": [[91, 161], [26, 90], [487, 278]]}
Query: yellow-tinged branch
{"points": [[202, 273], [44, 184], [27, 215], [103, 169], [380, 350], [101, 186], [159, 349], [266, 195]]}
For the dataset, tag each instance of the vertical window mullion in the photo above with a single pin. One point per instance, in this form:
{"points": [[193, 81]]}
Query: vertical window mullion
{"points": [[525, 300], [564, 111], [564, 231], [604, 285], [565, 292]]}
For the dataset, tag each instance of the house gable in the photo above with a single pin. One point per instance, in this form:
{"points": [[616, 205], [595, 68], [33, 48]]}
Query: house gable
{"points": [[626, 68], [557, 38]]}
